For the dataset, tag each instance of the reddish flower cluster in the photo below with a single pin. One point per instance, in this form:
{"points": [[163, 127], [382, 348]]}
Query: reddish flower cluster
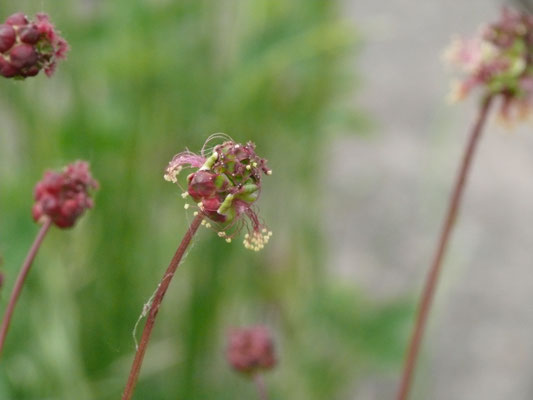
{"points": [[225, 186], [27, 47], [64, 196], [250, 349], [500, 60]]}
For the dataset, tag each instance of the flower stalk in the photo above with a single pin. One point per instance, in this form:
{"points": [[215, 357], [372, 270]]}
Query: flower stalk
{"points": [[432, 279], [156, 304], [260, 385], [26, 266]]}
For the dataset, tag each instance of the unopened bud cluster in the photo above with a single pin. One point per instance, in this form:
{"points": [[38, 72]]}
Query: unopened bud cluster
{"points": [[64, 196], [499, 60], [29, 46], [225, 186], [251, 350]]}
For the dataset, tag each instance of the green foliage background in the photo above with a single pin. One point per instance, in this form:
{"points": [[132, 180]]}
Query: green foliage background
{"points": [[144, 80]]}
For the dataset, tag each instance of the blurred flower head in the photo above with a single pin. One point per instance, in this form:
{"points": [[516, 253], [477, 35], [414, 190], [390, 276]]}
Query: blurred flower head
{"points": [[29, 46], [225, 185], [499, 61], [251, 349], [64, 196]]}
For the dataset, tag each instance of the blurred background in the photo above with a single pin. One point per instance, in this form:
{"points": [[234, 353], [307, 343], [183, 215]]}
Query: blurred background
{"points": [[346, 99]]}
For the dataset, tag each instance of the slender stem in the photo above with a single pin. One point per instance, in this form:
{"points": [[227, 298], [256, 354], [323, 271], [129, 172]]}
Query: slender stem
{"points": [[25, 269], [433, 276], [154, 307], [261, 387]]}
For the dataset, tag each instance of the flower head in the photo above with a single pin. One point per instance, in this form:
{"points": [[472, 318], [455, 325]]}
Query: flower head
{"points": [[64, 196], [251, 349], [225, 185], [28, 46], [499, 60]]}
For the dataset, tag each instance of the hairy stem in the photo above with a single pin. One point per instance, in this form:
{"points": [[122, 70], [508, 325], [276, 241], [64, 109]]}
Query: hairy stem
{"points": [[17, 289], [260, 385], [154, 307], [434, 272]]}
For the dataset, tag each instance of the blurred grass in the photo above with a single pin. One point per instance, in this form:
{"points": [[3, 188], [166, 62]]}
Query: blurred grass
{"points": [[144, 80]]}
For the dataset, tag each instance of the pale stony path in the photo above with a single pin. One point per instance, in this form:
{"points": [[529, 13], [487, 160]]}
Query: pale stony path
{"points": [[391, 192]]}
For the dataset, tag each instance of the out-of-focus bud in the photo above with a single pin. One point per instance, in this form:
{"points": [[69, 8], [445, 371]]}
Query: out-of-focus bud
{"points": [[251, 350], [27, 47], [499, 61], [64, 196]]}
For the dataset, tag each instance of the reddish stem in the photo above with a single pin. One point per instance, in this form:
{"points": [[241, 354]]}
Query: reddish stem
{"points": [[25, 269], [433, 276], [154, 307], [260, 385]]}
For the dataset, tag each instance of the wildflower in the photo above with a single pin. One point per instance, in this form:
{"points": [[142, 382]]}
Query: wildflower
{"points": [[27, 47], [225, 186], [64, 196], [499, 60], [251, 349]]}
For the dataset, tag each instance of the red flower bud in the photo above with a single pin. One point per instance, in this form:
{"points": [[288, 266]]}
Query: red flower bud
{"points": [[64, 196], [29, 34], [210, 208], [23, 55], [7, 37], [202, 184], [6, 69], [17, 19], [32, 71]]}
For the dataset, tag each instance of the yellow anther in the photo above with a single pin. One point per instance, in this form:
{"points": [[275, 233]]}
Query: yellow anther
{"points": [[248, 167], [184, 194], [195, 213], [200, 204], [228, 240], [203, 222], [269, 172], [264, 230], [254, 164], [221, 234], [208, 225], [186, 206]]}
